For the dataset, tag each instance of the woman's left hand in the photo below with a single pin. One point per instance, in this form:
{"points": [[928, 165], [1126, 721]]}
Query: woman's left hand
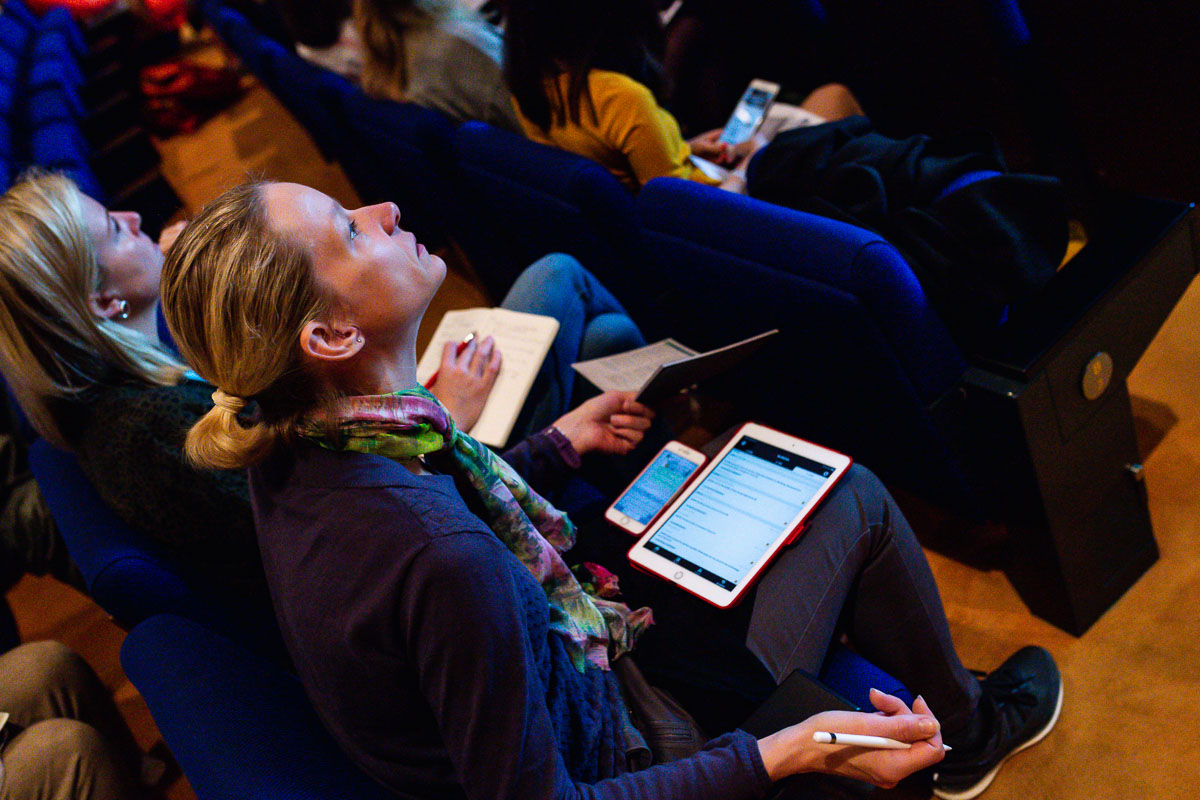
{"points": [[613, 422], [708, 146]]}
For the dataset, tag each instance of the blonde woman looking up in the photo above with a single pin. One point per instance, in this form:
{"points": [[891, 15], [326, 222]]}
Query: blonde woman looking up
{"points": [[79, 348], [437, 54], [414, 571]]}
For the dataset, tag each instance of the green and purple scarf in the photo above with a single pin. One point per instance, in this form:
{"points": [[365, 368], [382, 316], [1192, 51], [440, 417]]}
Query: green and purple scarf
{"points": [[412, 423]]}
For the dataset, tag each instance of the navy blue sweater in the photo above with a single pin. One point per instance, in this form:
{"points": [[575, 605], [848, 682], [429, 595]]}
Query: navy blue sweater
{"points": [[423, 643]]}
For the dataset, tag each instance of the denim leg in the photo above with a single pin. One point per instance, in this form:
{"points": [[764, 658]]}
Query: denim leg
{"points": [[858, 564], [591, 323]]}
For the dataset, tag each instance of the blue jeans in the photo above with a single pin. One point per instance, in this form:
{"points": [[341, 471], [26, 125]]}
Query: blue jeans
{"points": [[591, 321]]}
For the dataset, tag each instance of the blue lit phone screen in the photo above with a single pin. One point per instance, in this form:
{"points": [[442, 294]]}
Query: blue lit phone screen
{"points": [[654, 488], [728, 521], [746, 116]]}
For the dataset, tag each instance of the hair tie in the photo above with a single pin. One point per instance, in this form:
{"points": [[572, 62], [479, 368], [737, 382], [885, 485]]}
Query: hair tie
{"points": [[230, 402]]}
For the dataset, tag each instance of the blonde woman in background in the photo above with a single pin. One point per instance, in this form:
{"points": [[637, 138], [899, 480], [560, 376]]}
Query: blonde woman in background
{"points": [[437, 54], [79, 348]]}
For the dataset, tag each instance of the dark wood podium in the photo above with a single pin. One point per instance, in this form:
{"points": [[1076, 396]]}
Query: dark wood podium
{"points": [[1048, 420]]}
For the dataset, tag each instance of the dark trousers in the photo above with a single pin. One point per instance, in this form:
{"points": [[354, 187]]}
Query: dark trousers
{"points": [[857, 570]]}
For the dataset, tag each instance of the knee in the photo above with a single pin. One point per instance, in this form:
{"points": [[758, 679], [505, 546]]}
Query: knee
{"points": [[870, 500], [834, 101], [609, 333], [553, 268], [34, 670], [56, 754], [65, 736]]}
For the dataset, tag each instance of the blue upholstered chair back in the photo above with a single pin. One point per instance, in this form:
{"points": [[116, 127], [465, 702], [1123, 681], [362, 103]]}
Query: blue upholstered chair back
{"points": [[40, 105], [390, 151], [240, 35], [240, 726], [523, 200], [401, 152], [861, 355], [126, 574]]}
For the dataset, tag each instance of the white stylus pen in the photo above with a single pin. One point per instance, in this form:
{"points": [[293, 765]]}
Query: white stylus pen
{"points": [[858, 740]]}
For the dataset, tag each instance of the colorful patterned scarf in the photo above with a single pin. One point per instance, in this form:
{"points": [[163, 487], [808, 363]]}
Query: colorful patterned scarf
{"points": [[411, 423]]}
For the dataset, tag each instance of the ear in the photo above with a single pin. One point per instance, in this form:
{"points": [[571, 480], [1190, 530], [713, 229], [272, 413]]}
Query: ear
{"points": [[327, 341], [105, 304]]}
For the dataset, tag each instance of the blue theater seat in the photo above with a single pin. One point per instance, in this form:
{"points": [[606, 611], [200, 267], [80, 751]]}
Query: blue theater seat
{"points": [[129, 576], [523, 200], [402, 152], [239, 725], [861, 354], [237, 32]]}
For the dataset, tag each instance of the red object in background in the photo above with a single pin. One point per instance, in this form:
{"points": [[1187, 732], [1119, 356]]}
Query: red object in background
{"points": [[165, 13], [181, 94]]}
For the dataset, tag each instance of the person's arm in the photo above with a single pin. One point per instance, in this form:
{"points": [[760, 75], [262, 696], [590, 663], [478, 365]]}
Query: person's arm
{"points": [[613, 423], [464, 626], [648, 136]]}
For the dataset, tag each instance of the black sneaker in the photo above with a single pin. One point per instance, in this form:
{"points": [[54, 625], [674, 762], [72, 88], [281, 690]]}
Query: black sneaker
{"points": [[1022, 700]]}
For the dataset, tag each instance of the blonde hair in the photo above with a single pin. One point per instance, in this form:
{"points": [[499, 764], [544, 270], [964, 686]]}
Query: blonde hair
{"points": [[54, 348], [382, 26], [237, 295]]}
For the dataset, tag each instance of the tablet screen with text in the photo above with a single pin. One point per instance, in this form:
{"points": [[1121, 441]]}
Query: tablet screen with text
{"points": [[745, 503]]}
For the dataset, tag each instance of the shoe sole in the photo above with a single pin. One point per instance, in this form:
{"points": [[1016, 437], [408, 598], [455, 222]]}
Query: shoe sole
{"points": [[981, 786]]}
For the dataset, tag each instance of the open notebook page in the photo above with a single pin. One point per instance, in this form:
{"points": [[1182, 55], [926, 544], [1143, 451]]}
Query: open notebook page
{"points": [[523, 340]]}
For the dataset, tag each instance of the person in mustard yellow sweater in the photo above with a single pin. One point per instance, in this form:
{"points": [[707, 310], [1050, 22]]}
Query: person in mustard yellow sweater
{"points": [[584, 79]]}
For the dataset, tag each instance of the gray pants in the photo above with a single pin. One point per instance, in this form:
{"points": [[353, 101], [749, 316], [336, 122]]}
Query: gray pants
{"points": [[73, 743], [857, 569]]}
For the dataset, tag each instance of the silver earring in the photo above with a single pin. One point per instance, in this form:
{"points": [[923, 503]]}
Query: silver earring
{"points": [[358, 340], [123, 313]]}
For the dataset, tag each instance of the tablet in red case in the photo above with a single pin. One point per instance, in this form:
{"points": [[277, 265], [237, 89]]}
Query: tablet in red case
{"points": [[754, 498]]}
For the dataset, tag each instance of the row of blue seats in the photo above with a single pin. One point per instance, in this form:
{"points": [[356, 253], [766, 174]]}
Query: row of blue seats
{"points": [[864, 356], [41, 109]]}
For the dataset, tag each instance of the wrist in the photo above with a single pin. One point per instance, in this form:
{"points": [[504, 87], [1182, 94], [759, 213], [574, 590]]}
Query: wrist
{"points": [[564, 445], [785, 753]]}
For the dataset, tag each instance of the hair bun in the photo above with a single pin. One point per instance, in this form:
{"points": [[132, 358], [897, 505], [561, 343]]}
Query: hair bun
{"points": [[229, 402]]}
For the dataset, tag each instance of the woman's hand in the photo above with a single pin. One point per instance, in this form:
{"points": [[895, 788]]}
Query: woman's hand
{"points": [[793, 750], [707, 146], [464, 380], [611, 423], [170, 234]]}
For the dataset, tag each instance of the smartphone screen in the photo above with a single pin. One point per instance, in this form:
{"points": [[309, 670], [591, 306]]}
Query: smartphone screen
{"points": [[747, 116], [656, 486]]}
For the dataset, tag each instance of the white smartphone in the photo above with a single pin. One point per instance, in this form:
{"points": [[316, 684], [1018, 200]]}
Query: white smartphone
{"points": [[654, 487], [753, 498], [750, 112]]}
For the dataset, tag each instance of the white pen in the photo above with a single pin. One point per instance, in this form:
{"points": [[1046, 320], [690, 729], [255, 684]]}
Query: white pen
{"points": [[858, 740]]}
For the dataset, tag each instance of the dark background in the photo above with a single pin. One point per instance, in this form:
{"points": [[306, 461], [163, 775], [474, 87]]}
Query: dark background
{"points": [[1121, 76]]}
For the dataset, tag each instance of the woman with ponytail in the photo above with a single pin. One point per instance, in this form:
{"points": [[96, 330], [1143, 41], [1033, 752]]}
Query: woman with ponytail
{"points": [[422, 582], [80, 349]]}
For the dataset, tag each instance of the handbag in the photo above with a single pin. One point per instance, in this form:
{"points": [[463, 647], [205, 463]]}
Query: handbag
{"points": [[669, 730]]}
